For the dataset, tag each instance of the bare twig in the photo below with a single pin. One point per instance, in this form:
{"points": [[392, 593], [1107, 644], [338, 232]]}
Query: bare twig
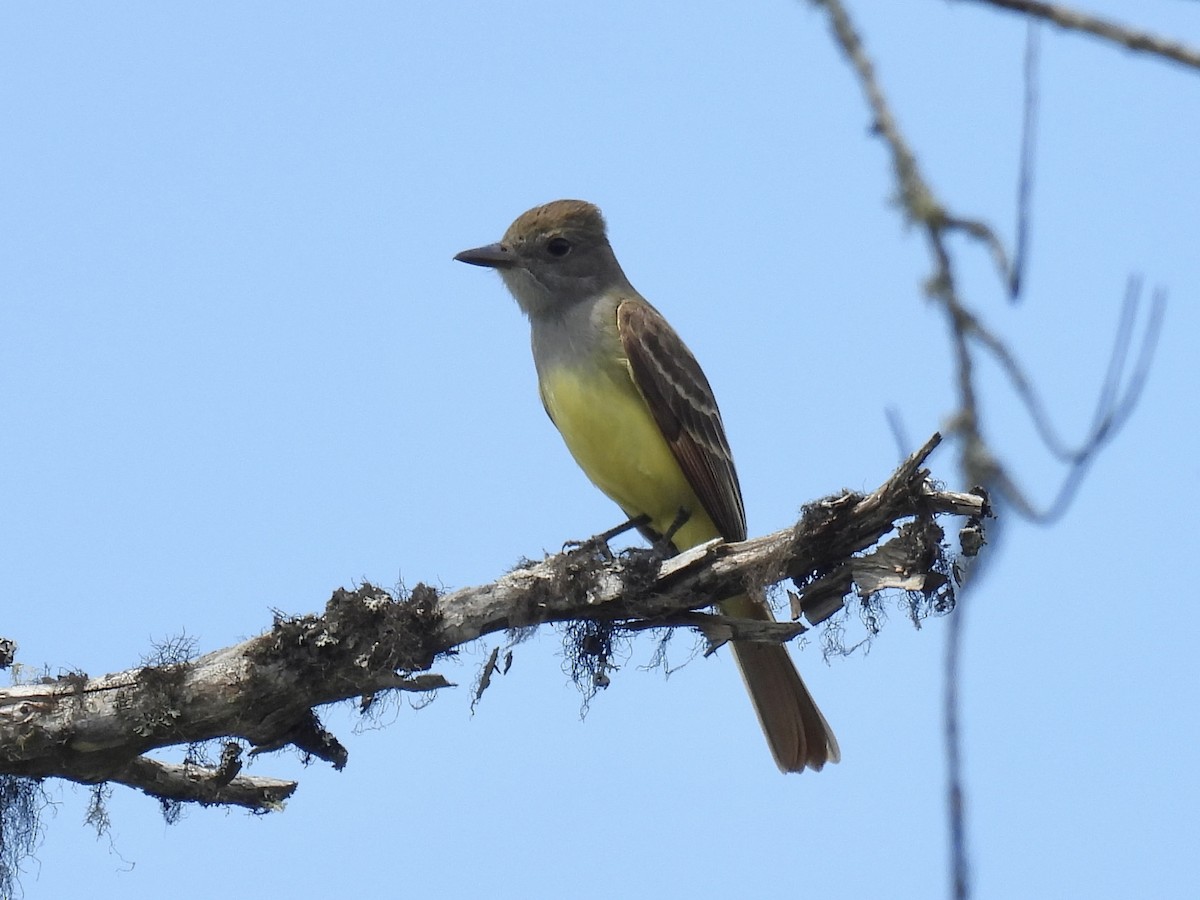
{"points": [[921, 206], [484, 681], [1131, 38], [1025, 176], [1117, 399], [960, 869], [980, 465]]}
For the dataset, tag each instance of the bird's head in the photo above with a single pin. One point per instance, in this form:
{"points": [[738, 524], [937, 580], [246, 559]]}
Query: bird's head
{"points": [[552, 257]]}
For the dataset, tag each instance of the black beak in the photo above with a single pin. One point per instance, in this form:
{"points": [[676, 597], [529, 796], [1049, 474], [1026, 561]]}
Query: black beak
{"points": [[493, 256]]}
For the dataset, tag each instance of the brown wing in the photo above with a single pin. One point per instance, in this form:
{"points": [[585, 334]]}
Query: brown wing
{"points": [[684, 407]]}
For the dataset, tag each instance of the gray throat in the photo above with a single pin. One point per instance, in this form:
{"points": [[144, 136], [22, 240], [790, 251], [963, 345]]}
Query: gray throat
{"points": [[565, 336]]}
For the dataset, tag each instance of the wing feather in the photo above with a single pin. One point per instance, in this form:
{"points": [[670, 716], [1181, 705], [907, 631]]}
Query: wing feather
{"points": [[683, 405]]}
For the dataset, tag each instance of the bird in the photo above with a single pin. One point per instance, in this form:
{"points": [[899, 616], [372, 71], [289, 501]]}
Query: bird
{"points": [[640, 418]]}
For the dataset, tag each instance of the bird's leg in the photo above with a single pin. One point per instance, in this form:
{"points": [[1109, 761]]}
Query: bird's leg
{"points": [[681, 519], [628, 525], [662, 547], [600, 541]]}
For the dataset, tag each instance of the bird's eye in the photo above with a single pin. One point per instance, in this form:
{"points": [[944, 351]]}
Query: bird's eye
{"points": [[558, 246]]}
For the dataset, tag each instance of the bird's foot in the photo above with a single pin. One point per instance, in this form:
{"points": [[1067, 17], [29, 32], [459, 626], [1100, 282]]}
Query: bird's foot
{"points": [[599, 543]]}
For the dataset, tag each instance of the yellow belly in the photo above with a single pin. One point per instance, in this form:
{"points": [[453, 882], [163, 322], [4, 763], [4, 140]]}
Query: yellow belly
{"points": [[609, 430]]}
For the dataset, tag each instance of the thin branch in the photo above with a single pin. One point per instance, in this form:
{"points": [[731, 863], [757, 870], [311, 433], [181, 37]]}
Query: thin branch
{"points": [[719, 629], [1025, 172], [1117, 399], [983, 233], [960, 867], [979, 464], [1131, 38], [918, 200]]}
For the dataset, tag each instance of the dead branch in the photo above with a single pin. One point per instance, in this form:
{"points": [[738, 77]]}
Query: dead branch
{"points": [[264, 692], [969, 334]]}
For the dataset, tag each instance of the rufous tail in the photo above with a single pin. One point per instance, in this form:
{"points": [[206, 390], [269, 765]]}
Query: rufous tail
{"points": [[797, 733]]}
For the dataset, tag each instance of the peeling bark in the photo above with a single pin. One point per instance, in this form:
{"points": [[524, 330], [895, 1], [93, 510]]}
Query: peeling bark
{"points": [[264, 691]]}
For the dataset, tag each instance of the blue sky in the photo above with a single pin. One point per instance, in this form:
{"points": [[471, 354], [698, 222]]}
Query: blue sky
{"points": [[238, 369]]}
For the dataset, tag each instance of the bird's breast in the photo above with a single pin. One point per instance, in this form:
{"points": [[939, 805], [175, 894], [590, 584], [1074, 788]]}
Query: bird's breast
{"points": [[614, 438]]}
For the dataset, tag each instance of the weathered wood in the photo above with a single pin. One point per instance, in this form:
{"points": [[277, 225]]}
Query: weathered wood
{"points": [[264, 691]]}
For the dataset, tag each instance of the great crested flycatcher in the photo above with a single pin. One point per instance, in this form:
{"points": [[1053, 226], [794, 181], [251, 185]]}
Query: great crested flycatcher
{"points": [[639, 417]]}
